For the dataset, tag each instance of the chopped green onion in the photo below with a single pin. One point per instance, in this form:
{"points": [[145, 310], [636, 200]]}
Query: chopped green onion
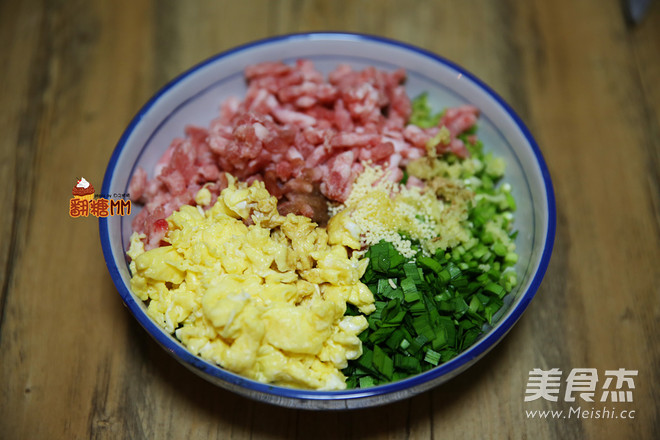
{"points": [[366, 381], [432, 357]]}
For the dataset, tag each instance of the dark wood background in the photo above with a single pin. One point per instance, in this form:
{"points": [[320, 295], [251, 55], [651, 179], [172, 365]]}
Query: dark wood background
{"points": [[74, 364]]}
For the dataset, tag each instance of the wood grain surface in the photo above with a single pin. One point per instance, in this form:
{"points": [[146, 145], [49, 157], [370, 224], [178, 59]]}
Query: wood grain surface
{"points": [[74, 364]]}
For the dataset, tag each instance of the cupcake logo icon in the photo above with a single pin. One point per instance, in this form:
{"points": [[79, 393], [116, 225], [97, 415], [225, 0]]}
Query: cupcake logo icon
{"points": [[84, 203], [83, 190]]}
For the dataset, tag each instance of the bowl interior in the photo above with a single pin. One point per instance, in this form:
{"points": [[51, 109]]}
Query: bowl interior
{"points": [[194, 98]]}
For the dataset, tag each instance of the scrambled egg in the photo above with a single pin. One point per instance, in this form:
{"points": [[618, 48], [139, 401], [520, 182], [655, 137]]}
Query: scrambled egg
{"points": [[267, 300]]}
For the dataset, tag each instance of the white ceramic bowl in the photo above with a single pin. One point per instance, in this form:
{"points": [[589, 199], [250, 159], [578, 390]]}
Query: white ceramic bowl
{"points": [[194, 97]]}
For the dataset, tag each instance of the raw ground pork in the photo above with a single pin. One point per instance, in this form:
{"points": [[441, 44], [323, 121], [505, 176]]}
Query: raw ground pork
{"points": [[304, 136]]}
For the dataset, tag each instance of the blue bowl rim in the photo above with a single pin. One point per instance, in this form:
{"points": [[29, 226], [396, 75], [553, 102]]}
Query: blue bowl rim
{"points": [[455, 364]]}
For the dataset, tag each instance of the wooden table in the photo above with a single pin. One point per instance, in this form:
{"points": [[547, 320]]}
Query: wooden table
{"points": [[74, 364]]}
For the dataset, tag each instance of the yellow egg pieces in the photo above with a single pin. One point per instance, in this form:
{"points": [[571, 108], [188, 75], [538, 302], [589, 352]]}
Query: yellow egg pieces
{"points": [[258, 293]]}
